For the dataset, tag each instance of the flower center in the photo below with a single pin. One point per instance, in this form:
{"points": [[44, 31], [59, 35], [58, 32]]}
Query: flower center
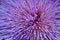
{"points": [[36, 23]]}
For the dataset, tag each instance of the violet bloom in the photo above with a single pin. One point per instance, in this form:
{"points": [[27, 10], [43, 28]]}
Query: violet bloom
{"points": [[29, 20]]}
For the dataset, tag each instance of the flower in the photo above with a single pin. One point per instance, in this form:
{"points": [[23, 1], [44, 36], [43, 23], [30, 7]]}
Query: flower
{"points": [[30, 20]]}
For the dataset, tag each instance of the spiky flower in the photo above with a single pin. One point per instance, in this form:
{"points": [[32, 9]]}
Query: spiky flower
{"points": [[29, 20]]}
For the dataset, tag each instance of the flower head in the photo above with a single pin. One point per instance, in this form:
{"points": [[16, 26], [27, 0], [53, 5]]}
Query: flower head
{"points": [[30, 20]]}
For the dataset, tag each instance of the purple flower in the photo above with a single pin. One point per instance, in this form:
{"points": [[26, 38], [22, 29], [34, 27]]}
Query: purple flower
{"points": [[29, 20]]}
